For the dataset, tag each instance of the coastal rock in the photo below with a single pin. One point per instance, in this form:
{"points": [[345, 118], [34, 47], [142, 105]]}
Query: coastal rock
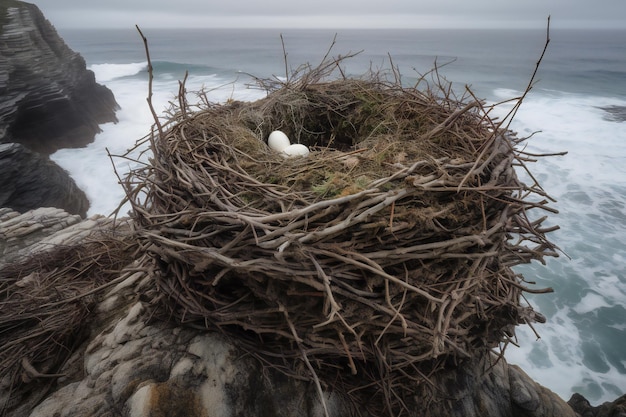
{"points": [[31, 180], [139, 369], [616, 408], [40, 230], [488, 387], [49, 100], [136, 369]]}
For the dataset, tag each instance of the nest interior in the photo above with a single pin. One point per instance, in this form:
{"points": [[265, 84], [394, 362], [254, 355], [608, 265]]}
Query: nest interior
{"points": [[384, 254]]}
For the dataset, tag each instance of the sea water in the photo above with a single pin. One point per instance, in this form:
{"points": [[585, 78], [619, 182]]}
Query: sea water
{"points": [[577, 105]]}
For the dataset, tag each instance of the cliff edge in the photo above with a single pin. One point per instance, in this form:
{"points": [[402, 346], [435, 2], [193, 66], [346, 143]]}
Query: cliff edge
{"points": [[31, 180], [49, 98]]}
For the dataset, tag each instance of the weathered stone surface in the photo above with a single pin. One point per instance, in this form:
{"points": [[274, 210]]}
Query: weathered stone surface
{"points": [[48, 99], [31, 180], [136, 369], [23, 234], [488, 387], [616, 408]]}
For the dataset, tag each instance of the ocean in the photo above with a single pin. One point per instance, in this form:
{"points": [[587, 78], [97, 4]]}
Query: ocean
{"points": [[577, 105]]}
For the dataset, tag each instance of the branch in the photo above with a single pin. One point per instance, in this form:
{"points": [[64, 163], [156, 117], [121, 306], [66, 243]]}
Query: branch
{"points": [[150, 77]]}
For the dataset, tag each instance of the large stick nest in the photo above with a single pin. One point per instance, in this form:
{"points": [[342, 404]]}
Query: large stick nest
{"points": [[385, 253]]}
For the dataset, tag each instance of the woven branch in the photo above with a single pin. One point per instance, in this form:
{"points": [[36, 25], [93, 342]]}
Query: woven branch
{"points": [[384, 254]]}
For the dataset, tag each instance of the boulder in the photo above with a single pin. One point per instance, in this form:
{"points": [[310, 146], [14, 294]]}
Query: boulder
{"points": [[615, 408], [48, 99], [40, 230], [137, 367], [140, 369], [31, 180]]}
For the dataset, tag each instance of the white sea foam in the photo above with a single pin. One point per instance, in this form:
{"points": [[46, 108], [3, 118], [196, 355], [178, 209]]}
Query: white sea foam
{"points": [[590, 302], [575, 353], [107, 72], [91, 167]]}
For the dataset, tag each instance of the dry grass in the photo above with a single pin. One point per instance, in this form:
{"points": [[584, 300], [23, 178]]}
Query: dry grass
{"points": [[46, 308]]}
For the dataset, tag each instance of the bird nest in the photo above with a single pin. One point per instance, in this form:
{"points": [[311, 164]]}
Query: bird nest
{"points": [[47, 299], [382, 255]]}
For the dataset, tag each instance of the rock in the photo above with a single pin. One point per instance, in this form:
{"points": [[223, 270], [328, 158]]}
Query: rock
{"points": [[43, 229], [616, 408], [139, 369], [490, 387], [49, 100], [31, 180], [20, 232], [136, 369]]}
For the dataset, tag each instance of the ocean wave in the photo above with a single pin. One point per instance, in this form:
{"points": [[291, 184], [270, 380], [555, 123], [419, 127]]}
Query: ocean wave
{"points": [[179, 68], [614, 113], [108, 72], [580, 336]]}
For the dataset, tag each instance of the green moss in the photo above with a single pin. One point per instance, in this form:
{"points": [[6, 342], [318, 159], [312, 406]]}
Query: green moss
{"points": [[330, 187], [4, 5], [336, 184]]}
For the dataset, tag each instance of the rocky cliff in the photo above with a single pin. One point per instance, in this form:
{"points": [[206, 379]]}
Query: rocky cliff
{"points": [[31, 180], [49, 99]]}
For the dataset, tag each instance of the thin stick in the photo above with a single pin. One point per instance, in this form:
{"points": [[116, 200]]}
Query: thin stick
{"points": [[513, 112], [150, 78], [182, 96], [285, 61], [511, 115], [297, 339]]}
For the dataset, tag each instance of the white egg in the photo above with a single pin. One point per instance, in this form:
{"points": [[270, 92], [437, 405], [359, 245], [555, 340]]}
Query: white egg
{"points": [[296, 150], [278, 141]]}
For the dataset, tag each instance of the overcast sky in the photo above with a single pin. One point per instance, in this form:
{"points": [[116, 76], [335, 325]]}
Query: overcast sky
{"points": [[334, 13]]}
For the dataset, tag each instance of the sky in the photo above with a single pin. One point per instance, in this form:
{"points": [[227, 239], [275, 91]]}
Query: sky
{"points": [[335, 13]]}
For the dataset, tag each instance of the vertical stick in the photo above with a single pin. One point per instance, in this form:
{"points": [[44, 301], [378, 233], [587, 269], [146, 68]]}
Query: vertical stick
{"points": [[150, 77]]}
